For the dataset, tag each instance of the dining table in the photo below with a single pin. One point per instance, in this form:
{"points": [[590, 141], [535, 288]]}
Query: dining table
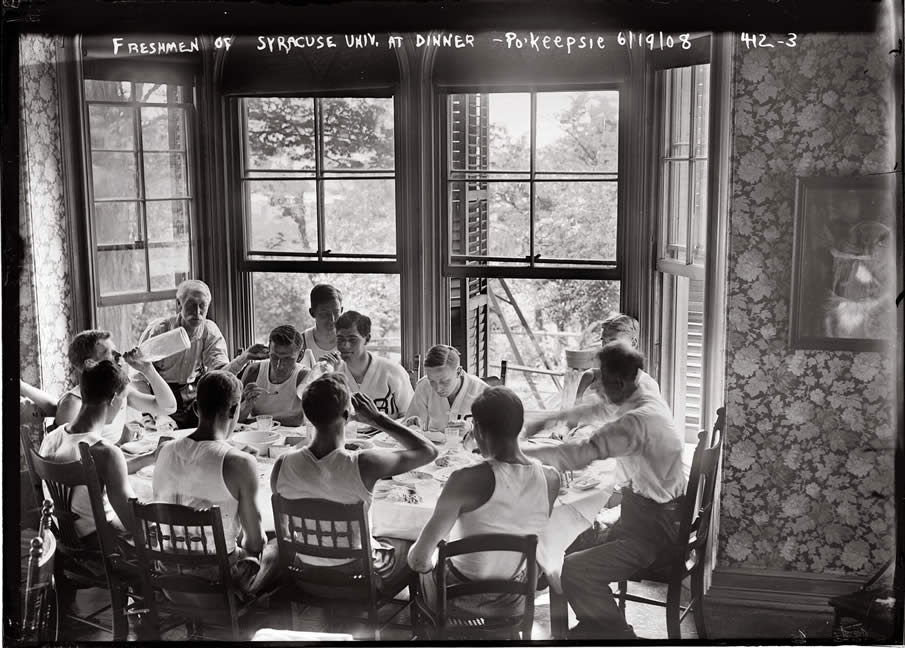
{"points": [[403, 504]]}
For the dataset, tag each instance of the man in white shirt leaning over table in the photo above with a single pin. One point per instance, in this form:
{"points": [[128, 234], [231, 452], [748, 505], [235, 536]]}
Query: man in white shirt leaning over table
{"points": [[644, 436]]}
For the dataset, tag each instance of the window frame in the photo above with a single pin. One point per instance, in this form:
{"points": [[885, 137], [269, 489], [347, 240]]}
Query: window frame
{"points": [[608, 270]]}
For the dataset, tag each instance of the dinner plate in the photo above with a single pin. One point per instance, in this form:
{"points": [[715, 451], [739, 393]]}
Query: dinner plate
{"points": [[443, 474], [412, 477], [384, 440], [585, 483], [145, 473], [140, 447]]}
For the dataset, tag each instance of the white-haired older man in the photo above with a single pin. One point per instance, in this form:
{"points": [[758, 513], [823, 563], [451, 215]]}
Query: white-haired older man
{"points": [[207, 351]]}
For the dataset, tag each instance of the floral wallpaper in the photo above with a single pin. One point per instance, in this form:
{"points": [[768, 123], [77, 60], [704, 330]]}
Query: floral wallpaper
{"points": [[44, 286], [808, 465]]}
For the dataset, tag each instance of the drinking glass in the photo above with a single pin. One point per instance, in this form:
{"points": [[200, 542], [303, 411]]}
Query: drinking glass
{"points": [[264, 423]]}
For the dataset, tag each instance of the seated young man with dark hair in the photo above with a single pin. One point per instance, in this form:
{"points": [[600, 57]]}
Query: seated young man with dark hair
{"points": [[102, 385], [203, 470], [326, 470], [506, 493]]}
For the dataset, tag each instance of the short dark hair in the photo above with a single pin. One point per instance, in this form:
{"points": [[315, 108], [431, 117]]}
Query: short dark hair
{"points": [[500, 412], [82, 346], [286, 334], [442, 355], [325, 399], [322, 293], [101, 381], [620, 360], [349, 319], [218, 391]]}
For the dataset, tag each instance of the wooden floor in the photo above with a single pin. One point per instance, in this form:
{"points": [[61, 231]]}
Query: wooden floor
{"points": [[724, 623]]}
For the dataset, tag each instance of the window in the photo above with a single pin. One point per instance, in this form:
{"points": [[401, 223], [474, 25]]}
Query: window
{"points": [[140, 200], [685, 101], [318, 188], [532, 199]]}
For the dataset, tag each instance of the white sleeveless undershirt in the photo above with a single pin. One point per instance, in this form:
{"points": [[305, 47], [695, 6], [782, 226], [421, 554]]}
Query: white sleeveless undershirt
{"points": [[520, 505], [278, 400], [310, 343], [334, 477], [190, 473], [61, 446]]}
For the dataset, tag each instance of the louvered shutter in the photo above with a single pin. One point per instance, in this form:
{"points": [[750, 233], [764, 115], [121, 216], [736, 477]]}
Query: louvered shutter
{"points": [[694, 358], [469, 228]]}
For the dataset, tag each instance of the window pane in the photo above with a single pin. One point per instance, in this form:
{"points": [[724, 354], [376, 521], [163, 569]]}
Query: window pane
{"points": [[576, 220], [163, 129], [699, 213], [169, 265], [509, 228], [676, 208], [107, 90], [358, 133], [680, 112], [168, 220], [114, 175], [112, 127], [701, 108], [283, 298], [165, 175], [121, 272], [578, 131], [128, 321], [282, 215], [560, 314], [280, 133], [360, 216], [117, 223], [509, 132], [683, 350], [159, 93]]}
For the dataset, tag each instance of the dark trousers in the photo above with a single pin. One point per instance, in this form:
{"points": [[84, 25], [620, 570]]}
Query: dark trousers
{"points": [[184, 416], [640, 538]]}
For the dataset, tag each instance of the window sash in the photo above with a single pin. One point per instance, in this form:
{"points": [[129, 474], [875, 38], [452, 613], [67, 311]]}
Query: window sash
{"points": [[140, 200], [533, 264]]}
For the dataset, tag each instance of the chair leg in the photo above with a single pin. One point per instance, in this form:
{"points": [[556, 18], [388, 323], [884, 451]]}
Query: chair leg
{"points": [[623, 588], [697, 595], [674, 611], [559, 615], [119, 603]]}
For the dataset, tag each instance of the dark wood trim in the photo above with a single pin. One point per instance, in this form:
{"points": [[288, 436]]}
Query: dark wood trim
{"points": [[525, 272], [73, 158], [779, 590]]}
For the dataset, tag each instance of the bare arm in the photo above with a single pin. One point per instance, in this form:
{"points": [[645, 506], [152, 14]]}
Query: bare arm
{"points": [[161, 400], [460, 494], [572, 416], [46, 403], [241, 476], [418, 405], [250, 391], [622, 437], [588, 378], [377, 464], [67, 408], [113, 474]]}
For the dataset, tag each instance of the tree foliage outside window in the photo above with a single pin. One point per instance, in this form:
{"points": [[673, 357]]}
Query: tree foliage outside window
{"points": [[571, 215], [141, 201], [318, 183]]}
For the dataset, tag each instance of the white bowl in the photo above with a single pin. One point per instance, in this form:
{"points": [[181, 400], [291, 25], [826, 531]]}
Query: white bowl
{"points": [[260, 441]]}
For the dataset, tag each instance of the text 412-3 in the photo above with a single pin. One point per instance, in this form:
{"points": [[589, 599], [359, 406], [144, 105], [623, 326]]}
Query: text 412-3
{"points": [[762, 40]]}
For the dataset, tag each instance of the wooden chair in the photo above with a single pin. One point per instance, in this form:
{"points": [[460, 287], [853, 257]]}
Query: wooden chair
{"points": [[452, 625], [689, 555], [182, 556], [497, 381], [323, 529], [29, 445], [40, 622], [874, 621], [82, 565]]}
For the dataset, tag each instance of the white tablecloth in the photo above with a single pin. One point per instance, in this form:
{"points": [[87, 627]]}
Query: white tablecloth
{"points": [[573, 511]]}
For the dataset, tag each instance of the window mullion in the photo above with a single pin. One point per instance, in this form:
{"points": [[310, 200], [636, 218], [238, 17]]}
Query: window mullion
{"points": [[142, 207], [531, 186], [691, 230], [319, 176]]}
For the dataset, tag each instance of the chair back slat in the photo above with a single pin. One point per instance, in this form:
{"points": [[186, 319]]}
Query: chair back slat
{"points": [[319, 528], [526, 545], [175, 557], [29, 446]]}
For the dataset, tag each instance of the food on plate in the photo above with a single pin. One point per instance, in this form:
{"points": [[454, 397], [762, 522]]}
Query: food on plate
{"points": [[451, 458], [412, 477], [358, 444], [403, 494], [585, 483]]}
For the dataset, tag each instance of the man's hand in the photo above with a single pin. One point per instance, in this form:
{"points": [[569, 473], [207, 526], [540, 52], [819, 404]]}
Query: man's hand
{"points": [[251, 392], [365, 409], [257, 351], [333, 358], [136, 359], [412, 422]]}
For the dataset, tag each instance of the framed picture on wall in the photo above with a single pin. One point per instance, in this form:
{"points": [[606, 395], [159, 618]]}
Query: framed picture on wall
{"points": [[844, 263]]}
